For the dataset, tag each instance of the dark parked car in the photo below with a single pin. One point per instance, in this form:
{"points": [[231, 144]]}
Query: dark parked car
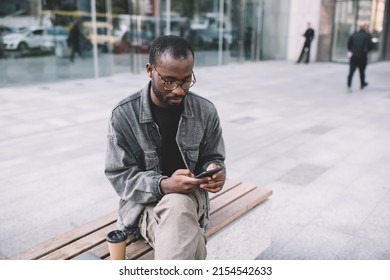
{"points": [[3, 31], [207, 39], [139, 42]]}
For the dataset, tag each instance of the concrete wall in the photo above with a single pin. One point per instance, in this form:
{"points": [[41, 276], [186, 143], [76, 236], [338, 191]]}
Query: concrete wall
{"points": [[301, 12], [284, 24], [326, 30]]}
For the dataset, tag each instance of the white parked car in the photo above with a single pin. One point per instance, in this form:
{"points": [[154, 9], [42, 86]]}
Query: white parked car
{"points": [[24, 39]]}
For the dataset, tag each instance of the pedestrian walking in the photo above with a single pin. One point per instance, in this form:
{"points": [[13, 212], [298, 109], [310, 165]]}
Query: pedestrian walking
{"points": [[75, 40], [359, 44], [309, 36]]}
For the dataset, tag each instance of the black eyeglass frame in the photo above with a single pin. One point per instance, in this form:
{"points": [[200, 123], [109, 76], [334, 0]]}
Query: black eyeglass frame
{"points": [[193, 81]]}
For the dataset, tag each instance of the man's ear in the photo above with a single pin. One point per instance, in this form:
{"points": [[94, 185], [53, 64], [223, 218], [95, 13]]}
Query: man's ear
{"points": [[149, 69]]}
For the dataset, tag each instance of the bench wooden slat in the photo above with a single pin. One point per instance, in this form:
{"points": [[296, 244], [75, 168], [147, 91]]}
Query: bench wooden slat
{"points": [[100, 250], [66, 238], [237, 208], [137, 249], [80, 246], [229, 184], [233, 194], [148, 256]]}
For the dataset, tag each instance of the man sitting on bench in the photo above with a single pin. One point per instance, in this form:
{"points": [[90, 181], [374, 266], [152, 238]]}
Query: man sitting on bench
{"points": [[158, 139]]}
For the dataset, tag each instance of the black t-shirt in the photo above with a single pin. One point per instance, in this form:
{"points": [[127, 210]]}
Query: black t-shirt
{"points": [[168, 120]]}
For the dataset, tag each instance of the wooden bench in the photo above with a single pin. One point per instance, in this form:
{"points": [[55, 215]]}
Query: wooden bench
{"points": [[237, 199]]}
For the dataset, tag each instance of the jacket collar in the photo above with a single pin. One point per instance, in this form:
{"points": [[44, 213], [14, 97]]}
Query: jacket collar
{"points": [[146, 116]]}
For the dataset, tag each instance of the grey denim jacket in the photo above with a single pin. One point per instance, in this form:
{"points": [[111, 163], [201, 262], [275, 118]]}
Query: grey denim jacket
{"points": [[133, 151]]}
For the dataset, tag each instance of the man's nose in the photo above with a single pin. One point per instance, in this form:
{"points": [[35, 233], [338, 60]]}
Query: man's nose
{"points": [[179, 90]]}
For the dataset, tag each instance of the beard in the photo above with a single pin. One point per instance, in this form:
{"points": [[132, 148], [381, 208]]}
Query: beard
{"points": [[164, 99]]}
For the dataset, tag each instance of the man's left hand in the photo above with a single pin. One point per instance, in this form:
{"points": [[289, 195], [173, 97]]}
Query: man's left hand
{"points": [[216, 181]]}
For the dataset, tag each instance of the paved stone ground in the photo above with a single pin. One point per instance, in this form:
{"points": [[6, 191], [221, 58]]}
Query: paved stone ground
{"points": [[293, 128]]}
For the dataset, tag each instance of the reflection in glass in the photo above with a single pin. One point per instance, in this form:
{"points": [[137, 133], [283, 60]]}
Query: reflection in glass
{"points": [[117, 35], [348, 14]]}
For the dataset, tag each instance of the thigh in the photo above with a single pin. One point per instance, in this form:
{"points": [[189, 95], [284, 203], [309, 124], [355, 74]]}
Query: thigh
{"points": [[353, 64], [176, 204], [362, 63]]}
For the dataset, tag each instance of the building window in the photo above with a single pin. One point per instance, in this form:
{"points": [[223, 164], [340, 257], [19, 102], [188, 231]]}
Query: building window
{"points": [[347, 17]]}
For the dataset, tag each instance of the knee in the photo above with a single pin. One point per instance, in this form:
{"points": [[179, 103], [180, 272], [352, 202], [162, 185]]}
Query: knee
{"points": [[176, 203]]}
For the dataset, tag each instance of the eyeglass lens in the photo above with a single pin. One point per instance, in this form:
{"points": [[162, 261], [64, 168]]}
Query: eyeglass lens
{"points": [[174, 85]]}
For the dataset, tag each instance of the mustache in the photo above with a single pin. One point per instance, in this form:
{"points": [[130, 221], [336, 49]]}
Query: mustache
{"points": [[175, 97]]}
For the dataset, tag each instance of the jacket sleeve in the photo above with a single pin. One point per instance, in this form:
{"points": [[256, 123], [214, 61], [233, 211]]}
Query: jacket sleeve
{"points": [[213, 147], [125, 170]]}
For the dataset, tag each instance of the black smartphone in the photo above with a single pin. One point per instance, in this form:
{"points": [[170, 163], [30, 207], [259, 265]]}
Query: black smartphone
{"points": [[208, 173]]}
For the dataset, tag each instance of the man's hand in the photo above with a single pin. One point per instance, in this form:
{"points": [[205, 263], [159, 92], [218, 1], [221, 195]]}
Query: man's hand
{"points": [[181, 181], [216, 181]]}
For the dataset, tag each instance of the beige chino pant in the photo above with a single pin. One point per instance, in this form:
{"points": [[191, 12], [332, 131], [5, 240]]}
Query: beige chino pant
{"points": [[172, 227]]}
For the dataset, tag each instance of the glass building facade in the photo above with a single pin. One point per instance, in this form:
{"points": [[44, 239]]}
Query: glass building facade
{"points": [[347, 16], [115, 35]]}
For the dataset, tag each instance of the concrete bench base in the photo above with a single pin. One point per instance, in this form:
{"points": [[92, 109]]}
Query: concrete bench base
{"points": [[245, 238]]}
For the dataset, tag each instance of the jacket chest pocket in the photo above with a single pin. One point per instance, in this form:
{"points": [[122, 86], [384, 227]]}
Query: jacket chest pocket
{"points": [[192, 155], [190, 135]]}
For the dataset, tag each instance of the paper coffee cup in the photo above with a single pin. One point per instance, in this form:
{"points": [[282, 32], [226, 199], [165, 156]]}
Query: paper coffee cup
{"points": [[116, 241]]}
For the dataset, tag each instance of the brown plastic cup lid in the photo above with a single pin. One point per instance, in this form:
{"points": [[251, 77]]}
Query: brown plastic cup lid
{"points": [[116, 236]]}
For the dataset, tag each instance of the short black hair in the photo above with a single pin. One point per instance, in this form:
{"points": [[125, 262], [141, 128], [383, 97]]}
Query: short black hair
{"points": [[177, 46]]}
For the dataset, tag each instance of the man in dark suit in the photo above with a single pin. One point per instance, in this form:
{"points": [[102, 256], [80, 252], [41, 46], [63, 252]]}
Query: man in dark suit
{"points": [[309, 36], [359, 44]]}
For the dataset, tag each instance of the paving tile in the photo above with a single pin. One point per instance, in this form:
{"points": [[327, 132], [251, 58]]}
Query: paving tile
{"points": [[349, 211], [313, 243], [281, 235], [303, 174], [283, 163], [380, 215], [243, 120], [297, 211], [342, 175], [318, 129], [363, 249]]}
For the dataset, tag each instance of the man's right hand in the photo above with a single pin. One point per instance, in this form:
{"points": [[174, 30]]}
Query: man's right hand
{"points": [[181, 181]]}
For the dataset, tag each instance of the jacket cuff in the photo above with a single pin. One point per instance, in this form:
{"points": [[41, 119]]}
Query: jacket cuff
{"points": [[159, 186]]}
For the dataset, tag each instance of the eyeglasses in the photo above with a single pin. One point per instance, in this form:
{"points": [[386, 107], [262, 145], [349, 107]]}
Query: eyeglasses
{"points": [[174, 85]]}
